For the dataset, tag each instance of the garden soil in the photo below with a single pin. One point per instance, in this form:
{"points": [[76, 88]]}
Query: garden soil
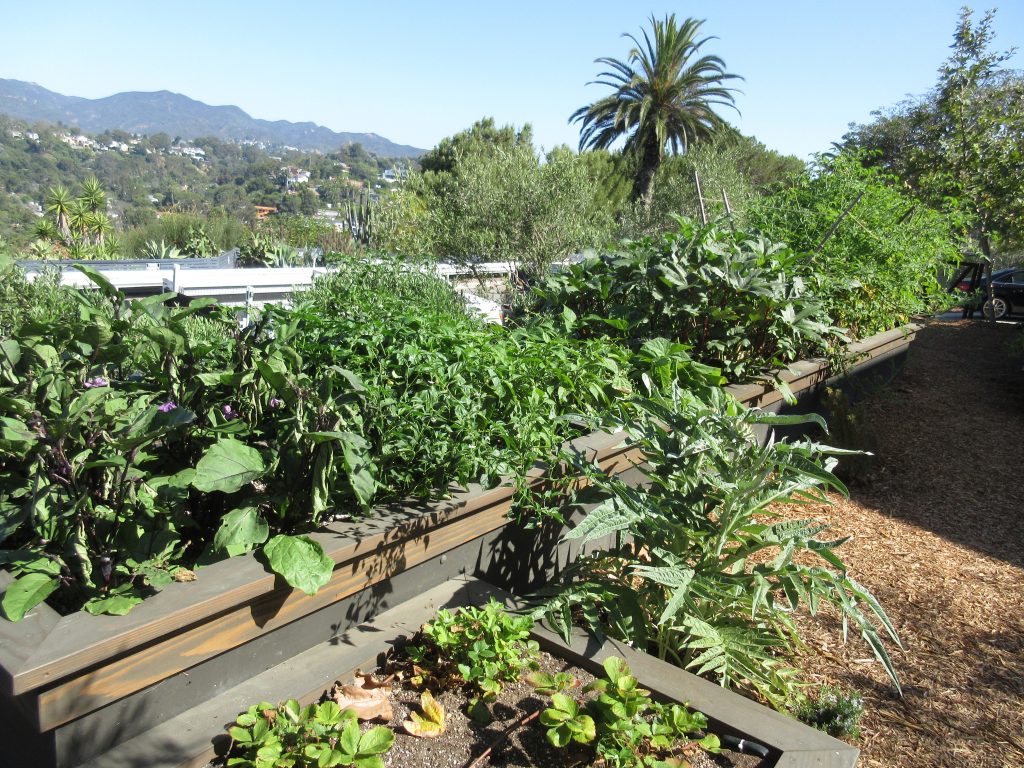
{"points": [[937, 521]]}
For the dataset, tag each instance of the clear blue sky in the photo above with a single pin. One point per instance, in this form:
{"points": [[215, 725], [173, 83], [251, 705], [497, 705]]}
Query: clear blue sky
{"points": [[416, 72]]}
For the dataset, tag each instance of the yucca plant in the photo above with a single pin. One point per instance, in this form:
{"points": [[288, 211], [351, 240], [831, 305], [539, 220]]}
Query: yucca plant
{"points": [[700, 571], [159, 250]]}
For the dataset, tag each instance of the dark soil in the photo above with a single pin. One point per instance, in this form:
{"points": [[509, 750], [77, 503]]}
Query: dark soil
{"points": [[938, 536]]}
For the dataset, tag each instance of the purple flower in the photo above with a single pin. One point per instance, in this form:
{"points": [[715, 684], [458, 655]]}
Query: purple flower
{"points": [[97, 381], [167, 407], [229, 412], [276, 402]]}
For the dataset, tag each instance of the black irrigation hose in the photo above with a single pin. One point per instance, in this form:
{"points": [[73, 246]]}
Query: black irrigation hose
{"points": [[744, 746]]}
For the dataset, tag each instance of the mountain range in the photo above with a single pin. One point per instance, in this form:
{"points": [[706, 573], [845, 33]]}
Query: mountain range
{"points": [[177, 115]]}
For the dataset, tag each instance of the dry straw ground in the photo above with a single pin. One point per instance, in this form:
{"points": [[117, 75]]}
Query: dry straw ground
{"points": [[938, 527]]}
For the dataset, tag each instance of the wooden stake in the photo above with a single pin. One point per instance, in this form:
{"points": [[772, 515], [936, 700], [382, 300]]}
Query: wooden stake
{"points": [[839, 221], [728, 210], [700, 200]]}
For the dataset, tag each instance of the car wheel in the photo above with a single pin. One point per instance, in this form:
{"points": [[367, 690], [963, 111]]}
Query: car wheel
{"points": [[997, 305]]}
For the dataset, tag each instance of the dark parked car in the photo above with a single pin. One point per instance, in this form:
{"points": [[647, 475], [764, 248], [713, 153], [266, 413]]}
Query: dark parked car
{"points": [[1008, 290]]}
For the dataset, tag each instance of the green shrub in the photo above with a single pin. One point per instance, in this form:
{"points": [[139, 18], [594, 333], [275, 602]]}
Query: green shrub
{"points": [[737, 302], [135, 439], [23, 301], [882, 264], [451, 399]]}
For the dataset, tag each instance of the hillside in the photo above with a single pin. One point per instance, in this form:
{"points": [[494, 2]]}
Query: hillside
{"points": [[178, 115], [144, 176]]}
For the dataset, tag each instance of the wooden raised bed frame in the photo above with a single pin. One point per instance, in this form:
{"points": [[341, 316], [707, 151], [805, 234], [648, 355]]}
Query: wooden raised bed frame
{"points": [[84, 683]]}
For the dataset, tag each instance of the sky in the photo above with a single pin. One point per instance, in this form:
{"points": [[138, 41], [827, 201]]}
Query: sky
{"points": [[415, 72]]}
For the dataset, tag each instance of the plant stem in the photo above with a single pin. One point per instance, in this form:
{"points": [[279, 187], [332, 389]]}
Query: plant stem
{"points": [[482, 759]]}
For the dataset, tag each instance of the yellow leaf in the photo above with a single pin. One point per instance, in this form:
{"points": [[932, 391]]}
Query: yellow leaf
{"points": [[430, 724]]}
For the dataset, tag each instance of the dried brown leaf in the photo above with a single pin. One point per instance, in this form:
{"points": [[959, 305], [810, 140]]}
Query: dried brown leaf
{"points": [[366, 697]]}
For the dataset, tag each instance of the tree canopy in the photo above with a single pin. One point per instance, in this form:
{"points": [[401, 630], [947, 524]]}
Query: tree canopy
{"points": [[665, 93], [962, 144]]}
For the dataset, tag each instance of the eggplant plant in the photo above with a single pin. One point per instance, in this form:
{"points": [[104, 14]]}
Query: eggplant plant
{"points": [[130, 446]]}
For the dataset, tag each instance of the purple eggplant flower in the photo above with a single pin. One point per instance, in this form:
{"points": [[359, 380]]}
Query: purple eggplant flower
{"points": [[97, 381], [167, 407], [229, 412]]}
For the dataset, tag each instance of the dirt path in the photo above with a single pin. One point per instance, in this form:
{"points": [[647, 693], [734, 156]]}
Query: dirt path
{"points": [[938, 528]]}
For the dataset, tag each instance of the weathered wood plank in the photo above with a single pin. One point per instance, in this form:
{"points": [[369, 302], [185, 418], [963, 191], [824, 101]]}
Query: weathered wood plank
{"points": [[81, 640], [183, 649]]}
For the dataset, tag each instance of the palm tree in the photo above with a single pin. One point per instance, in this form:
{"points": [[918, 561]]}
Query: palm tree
{"points": [[78, 219], [93, 196], [665, 93], [58, 203], [99, 225], [47, 230]]}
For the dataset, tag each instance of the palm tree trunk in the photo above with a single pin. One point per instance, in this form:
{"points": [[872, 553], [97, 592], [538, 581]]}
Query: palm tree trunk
{"points": [[643, 189]]}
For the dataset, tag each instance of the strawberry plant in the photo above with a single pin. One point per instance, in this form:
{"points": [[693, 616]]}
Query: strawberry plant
{"points": [[316, 736], [626, 728], [482, 648]]}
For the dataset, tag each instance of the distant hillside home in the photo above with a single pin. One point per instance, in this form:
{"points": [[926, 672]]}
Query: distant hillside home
{"points": [[295, 176], [78, 142], [194, 152]]}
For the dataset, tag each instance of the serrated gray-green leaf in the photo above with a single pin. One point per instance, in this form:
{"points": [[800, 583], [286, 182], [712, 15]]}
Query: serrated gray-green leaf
{"points": [[300, 561], [607, 517], [227, 466]]}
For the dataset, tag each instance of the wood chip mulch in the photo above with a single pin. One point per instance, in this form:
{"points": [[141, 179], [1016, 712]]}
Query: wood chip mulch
{"points": [[938, 527]]}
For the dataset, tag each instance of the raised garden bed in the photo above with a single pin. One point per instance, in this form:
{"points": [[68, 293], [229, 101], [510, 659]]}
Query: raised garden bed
{"points": [[82, 684]]}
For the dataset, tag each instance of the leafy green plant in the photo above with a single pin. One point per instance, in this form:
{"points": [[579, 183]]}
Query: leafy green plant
{"points": [[449, 399], [483, 648], [29, 301], [159, 250], [878, 265], [735, 300], [566, 722], [130, 447], [834, 710], [547, 684], [625, 726], [692, 565], [315, 736]]}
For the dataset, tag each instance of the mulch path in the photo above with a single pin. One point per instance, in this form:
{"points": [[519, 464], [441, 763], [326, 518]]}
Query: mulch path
{"points": [[938, 527]]}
